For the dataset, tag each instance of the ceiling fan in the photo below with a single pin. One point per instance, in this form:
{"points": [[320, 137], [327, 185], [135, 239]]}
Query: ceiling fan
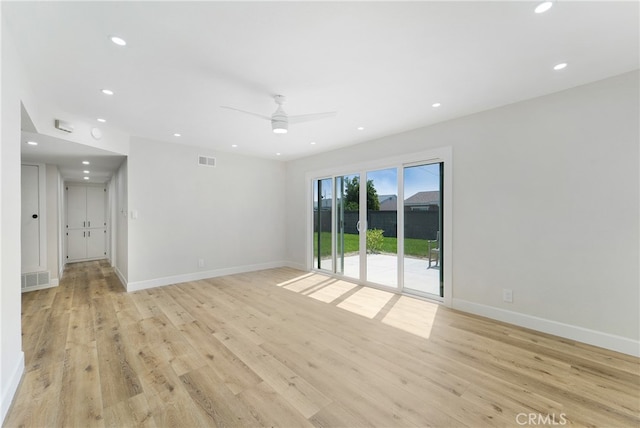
{"points": [[280, 120]]}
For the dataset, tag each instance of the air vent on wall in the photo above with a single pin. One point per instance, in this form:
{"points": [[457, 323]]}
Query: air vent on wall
{"points": [[206, 161], [35, 279]]}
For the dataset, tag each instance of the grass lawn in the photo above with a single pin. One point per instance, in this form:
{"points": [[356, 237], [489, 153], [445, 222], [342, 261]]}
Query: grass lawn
{"points": [[412, 247]]}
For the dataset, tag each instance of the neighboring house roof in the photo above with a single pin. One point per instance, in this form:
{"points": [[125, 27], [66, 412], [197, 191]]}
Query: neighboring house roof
{"points": [[325, 204], [431, 197], [388, 202]]}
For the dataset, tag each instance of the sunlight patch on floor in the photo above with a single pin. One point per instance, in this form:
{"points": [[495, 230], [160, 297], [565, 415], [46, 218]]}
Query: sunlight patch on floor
{"points": [[413, 316], [406, 313], [303, 282], [333, 291], [366, 302]]}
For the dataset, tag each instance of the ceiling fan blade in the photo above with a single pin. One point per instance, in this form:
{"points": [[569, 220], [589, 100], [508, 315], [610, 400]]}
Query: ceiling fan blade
{"points": [[261, 116], [309, 117]]}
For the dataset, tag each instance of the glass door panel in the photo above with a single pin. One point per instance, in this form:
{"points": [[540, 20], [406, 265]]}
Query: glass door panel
{"points": [[382, 225], [423, 229], [322, 224], [347, 225]]}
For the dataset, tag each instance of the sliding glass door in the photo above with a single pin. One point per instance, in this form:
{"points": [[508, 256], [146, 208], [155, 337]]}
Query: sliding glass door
{"points": [[385, 229], [422, 214], [323, 224], [382, 227], [348, 225]]}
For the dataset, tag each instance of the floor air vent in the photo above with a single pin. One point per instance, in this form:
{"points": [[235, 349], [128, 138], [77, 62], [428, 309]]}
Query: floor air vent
{"points": [[35, 279], [206, 161]]}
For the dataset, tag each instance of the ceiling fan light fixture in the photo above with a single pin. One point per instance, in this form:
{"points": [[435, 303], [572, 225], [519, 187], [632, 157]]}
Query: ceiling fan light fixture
{"points": [[279, 127], [543, 7]]}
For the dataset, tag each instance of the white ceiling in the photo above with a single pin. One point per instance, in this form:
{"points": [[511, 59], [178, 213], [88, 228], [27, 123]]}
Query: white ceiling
{"points": [[381, 65], [69, 157]]}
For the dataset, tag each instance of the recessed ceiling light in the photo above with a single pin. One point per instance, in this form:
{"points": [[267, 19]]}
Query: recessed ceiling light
{"points": [[85, 162], [360, 128], [543, 7], [86, 171], [278, 154], [313, 143], [86, 178], [436, 105], [32, 143], [560, 66], [177, 135], [234, 145], [107, 91], [101, 120], [118, 41]]}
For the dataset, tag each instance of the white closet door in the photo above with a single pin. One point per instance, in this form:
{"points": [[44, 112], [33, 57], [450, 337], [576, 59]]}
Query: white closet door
{"points": [[30, 218], [86, 218], [95, 243], [76, 207], [95, 207], [76, 244]]}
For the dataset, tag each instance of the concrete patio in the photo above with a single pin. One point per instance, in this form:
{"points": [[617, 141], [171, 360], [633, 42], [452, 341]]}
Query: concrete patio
{"points": [[383, 269]]}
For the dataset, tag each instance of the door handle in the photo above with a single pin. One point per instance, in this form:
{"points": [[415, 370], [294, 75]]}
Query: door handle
{"points": [[84, 224], [34, 216], [358, 226], [89, 234], [88, 224]]}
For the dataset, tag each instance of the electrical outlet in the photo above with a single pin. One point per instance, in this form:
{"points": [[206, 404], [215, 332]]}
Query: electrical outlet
{"points": [[507, 295], [200, 263]]}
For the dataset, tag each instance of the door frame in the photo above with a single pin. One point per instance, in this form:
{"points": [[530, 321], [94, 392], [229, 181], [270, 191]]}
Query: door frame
{"points": [[441, 154], [42, 217]]}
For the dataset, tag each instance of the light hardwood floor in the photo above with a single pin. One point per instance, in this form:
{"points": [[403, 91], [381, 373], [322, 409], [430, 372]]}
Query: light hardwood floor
{"points": [[288, 348]]}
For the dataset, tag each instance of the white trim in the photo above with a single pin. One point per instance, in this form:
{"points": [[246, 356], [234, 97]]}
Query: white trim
{"points": [[568, 331], [9, 392], [123, 280], [297, 266], [38, 287], [196, 276], [433, 155]]}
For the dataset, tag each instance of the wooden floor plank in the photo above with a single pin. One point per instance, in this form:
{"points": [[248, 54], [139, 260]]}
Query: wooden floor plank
{"points": [[134, 411], [288, 348], [270, 409], [215, 401], [80, 398]]}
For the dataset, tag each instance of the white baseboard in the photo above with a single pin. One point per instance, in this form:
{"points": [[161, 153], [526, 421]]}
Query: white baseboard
{"points": [[39, 287], [54, 282], [568, 331], [10, 386], [121, 277], [195, 276], [296, 266]]}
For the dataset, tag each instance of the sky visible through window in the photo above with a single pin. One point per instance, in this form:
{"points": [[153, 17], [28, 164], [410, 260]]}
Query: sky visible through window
{"points": [[419, 178], [416, 179]]}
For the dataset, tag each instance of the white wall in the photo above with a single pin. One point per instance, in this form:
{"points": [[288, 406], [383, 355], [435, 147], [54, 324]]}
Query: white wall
{"points": [[53, 222], [231, 216], [120, 254], [545, 202], [11, 355]]}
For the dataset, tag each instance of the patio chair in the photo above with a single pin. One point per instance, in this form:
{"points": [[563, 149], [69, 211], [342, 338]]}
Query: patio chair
{"points": [[433, 250]]}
